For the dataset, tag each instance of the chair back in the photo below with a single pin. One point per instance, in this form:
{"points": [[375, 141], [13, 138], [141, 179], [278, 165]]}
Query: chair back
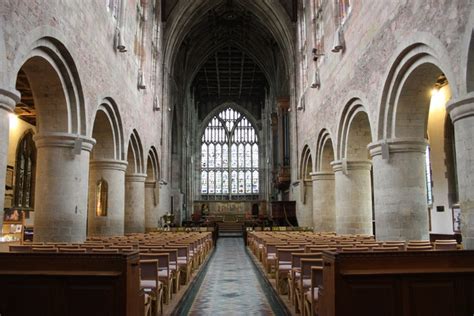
{"points": [[297, 256], [149, 269], [382, 249], [44, 249], [72, 250], [20, 248], [103, 250], [306, 265]]}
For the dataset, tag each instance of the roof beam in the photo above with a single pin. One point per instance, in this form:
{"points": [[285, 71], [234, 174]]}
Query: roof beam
{"points": [[217, 73], [241, 73]]}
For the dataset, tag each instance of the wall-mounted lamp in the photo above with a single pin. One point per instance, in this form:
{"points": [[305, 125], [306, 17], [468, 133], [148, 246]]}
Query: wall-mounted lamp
{"points": [[141, 80], [156, 105], [119, 41], [338, 45], [162, 182], [316, 80], [316, 54]]}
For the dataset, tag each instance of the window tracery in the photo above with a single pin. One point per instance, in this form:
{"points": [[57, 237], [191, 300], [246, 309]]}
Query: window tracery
{"points": [[229, 156]]}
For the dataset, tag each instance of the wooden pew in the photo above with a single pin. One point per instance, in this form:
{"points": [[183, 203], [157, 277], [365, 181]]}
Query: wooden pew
{"points": [[398, 283], [58, 284]]}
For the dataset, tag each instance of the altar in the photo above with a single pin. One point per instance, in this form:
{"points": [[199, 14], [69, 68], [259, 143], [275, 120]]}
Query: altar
{"points": [[230, 210]]}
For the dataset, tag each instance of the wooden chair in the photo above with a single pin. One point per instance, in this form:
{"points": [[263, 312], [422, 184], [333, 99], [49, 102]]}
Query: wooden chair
{"points": [[382, 249], [103, 250], [283, 267], [446, 245], [420, 248], [72, 250], [295, 272], [44, 249], [355, 249], [20, 248], [400, 245], [304, 282], [164, 273], [184, 262], [149, 282], [311, 306]]}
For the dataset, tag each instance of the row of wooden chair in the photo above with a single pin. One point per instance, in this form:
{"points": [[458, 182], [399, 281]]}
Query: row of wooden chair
{"points": [[167, 259], [295, 259]]}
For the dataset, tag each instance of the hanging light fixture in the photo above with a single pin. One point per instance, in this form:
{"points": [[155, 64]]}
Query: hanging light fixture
{"points": [[119, 41], [156, 105], [338, 45], [141, 80], [316, 80]]}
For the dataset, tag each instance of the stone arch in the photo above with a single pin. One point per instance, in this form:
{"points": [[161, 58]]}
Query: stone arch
{"points": [[3, 59], [324, 152], [305, 210], [55, 82], [306, 164], [152, 190], [233, 106], [108, 132], [153, 167], [135, 159], [397, 115], [354, 132], [470, 64], [324, 211]]}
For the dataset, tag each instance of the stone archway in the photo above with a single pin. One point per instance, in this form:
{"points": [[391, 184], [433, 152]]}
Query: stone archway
{"points": [[353, 171], [135, 186], [305, 210], [107, 165], [152, 193], [408, 122], [324, 209], [54, 92]]}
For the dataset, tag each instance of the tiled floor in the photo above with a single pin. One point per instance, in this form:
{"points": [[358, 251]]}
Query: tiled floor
{"points": [[230, 286]]}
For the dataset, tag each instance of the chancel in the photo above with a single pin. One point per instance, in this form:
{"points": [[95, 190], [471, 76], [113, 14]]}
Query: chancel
{"points": [[247, 157]]}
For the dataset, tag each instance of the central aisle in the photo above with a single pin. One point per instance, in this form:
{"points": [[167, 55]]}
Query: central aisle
{"points": [[231, 285]]}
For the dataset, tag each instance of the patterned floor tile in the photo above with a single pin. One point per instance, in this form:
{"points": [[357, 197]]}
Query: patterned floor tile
{"points": [[230, 286]]}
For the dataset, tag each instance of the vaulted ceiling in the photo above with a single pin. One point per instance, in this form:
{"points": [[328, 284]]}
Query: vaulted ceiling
{"points": [[229, 55]]}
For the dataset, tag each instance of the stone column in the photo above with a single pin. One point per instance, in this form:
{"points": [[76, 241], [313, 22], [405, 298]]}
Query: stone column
{"points": [[401, 209], [8, 100], [112, 171], [135, 203], [324, 209], [151, 210], [353, 197], [462, 115], [62, 173]]}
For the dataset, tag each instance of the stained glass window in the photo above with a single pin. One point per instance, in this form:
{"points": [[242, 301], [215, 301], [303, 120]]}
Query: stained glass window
{"points": [[229, 156]]}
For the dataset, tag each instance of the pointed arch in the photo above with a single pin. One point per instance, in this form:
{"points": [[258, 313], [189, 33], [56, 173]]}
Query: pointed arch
{"points": [[229, 156]]}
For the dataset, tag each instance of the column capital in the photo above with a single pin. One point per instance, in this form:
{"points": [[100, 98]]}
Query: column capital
{"points": [[136, 177], [397, 145], [345, 165], [322, 175], [8, 100], [65, 140], [462, 107], [150, 184], [109, 164]]}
